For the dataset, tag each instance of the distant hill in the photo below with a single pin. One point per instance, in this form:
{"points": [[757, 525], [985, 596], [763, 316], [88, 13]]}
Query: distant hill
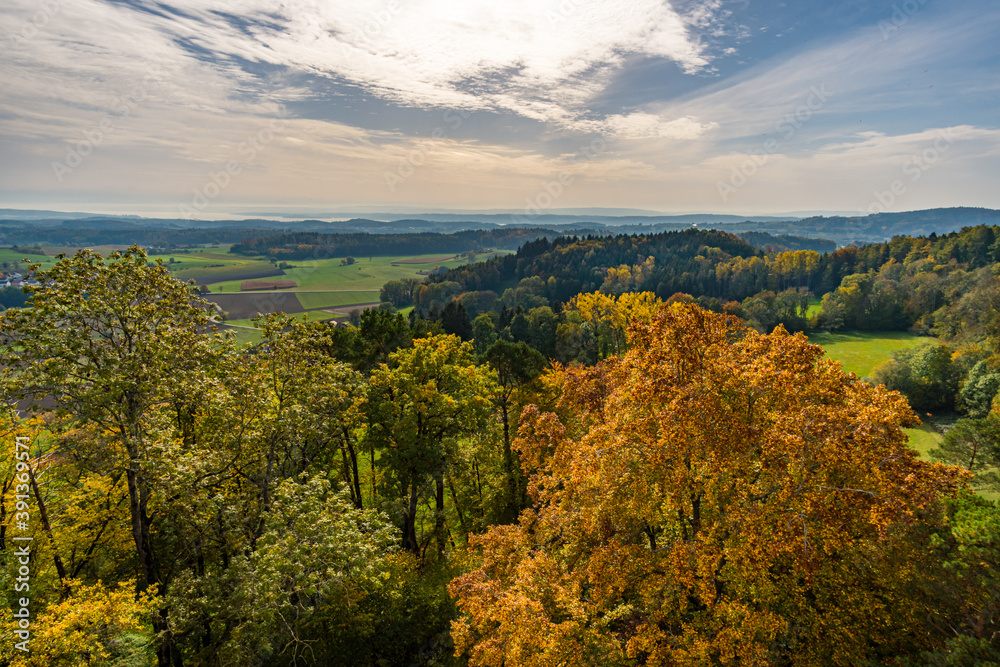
{"points": [[20, 227], [878, 227], [28, 214]]}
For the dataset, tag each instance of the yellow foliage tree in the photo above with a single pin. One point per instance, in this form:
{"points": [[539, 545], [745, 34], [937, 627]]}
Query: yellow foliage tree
{"points": [[93, 626], [611, 316], [713, 496]]}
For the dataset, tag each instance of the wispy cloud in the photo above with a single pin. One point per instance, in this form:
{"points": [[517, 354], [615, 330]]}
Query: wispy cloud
{"points": [[542, 72]]}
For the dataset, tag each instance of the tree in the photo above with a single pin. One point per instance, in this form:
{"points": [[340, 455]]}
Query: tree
{"points": [[714, 496], [974, 444], [96, 625], [111, 340], [925, 375], [961, 584], [418, 406], [399, 292], [455, 320], [611, 316], [317, 558], [515, 364], [382, 333], [484, 332], [980, 388]]}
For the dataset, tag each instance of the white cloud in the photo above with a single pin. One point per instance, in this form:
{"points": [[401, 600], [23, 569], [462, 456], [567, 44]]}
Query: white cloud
{"points": [[546, 60], [541, 58], [641, 125]]}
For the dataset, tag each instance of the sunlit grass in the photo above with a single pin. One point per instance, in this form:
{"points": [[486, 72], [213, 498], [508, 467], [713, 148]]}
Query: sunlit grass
{"points": [[860, 352]]}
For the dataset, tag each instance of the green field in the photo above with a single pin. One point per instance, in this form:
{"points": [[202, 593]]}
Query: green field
{"points": [[357, 283], [924, 438], [211, 262], [248, 336], [861, 352], [311, 300], [815, 306], [328, 274], [10, 257]]}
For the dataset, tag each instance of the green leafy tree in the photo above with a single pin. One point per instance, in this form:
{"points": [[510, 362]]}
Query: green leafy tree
{"points": [[484, 332], [980, 388], [455, 320], [515, 364], [926, 375], [111, 341], [961, 582], [294, 598], [974, 444], [381, 332], [419, 405]]}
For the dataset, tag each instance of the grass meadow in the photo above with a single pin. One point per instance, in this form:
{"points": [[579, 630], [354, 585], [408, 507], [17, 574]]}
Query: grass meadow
{"points": [[860, 352], [366, 274]]}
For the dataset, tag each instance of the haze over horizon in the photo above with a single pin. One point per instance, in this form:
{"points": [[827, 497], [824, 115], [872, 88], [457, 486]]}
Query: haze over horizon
{"points": [[746, 107]]}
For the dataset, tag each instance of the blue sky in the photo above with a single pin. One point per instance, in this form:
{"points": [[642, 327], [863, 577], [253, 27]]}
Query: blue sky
{"points": [[210, 108]]}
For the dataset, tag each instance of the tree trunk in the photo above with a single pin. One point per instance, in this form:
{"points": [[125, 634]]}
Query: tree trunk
{"points": [[354, 469], [439, 531], [410, 524], [355, 498], [458, 511], [512, 495], [135, 514], [44, 516]]}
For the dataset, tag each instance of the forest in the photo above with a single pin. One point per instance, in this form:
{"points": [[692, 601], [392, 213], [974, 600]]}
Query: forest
{"points": [[318, 245], [603, 450]]}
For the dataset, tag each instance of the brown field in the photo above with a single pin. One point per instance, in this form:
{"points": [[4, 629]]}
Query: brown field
{"points": [[245, 306], [251, 285], [424, 260], [245, 275]]}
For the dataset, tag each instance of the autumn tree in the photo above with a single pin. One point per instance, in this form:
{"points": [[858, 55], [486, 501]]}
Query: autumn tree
{"points": [[611, 316], [713, 496]]}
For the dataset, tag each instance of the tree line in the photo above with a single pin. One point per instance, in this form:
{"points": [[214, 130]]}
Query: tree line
{"points": [[318, 245]]}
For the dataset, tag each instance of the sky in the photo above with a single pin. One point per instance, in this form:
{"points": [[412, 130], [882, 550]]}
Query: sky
{"points": [[215, 108]]}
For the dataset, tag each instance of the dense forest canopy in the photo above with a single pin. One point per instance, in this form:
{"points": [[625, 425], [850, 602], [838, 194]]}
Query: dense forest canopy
{"points": [[601, 450], [315, 245]]}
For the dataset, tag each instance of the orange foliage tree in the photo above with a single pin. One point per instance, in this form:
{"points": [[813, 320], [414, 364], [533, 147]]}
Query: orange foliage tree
{"points": [[713, 496]]}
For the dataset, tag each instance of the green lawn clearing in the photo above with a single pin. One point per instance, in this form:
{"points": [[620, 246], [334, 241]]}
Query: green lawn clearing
{"points": [[366, 274], [861, 352]]}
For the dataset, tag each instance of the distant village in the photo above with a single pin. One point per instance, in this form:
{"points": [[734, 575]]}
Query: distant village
{"points": [[16, 280]]}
